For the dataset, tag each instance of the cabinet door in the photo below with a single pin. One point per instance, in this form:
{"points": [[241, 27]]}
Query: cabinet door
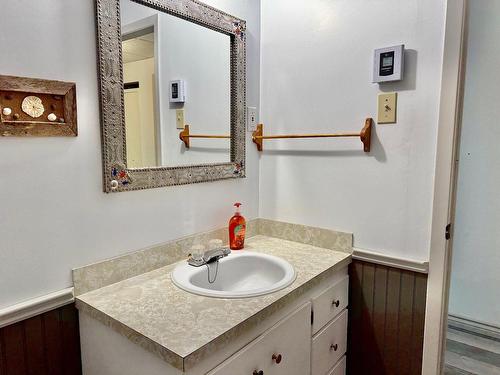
{"points": [[329, 345], [330, 303], [285, 349]]}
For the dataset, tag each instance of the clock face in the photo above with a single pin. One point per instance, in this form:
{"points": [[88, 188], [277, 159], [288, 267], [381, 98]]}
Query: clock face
{"points": [[33, 106]]}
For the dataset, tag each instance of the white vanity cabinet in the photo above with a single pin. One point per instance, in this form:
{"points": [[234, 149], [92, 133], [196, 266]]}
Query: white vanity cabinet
{"points": [[305, 336], [290, 342], [329, 328], [329, 303], [340, 367], [282, 350], [329, 345]]}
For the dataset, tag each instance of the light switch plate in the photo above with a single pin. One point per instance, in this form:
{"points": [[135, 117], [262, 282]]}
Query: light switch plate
{"points": [[387, 108], [251, 119], [179, 118]]}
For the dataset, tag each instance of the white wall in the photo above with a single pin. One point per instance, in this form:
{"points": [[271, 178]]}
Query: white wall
{"points": [[202, 59], [384, 197], [54, 215], [475, 275]]}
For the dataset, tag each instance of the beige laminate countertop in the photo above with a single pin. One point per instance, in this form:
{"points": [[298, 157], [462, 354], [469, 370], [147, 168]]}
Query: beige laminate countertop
{"points": [[179, 326]]}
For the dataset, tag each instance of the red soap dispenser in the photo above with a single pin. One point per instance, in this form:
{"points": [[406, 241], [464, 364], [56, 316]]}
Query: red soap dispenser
{"points": [[237, 227]]}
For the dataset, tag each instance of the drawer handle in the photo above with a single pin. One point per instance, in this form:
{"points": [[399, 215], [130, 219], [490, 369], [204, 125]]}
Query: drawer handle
{"points": [[334, 347], [255, 372], [336, 303], [277, 358]]}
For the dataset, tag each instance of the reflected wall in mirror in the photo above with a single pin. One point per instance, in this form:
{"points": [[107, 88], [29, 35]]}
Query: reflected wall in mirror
{"points": [[144, 46], [158, 49]]}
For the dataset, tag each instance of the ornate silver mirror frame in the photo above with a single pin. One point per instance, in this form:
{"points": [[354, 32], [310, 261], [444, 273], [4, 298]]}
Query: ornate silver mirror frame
{"points": [[116, 176]]}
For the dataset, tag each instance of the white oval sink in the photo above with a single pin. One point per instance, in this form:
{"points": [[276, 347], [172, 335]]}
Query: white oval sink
{"points": [[241, 274]]}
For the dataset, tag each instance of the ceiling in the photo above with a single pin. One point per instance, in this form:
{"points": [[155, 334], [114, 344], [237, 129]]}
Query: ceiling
{"points": [[138, 48]]}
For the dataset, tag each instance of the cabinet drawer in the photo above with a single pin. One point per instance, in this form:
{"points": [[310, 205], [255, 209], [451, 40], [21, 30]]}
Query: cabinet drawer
{"points": [[339, 368], [330, 303], [329, 344], [290, 339]]}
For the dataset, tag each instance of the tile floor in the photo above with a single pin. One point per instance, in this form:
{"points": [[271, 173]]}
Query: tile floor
{"points": [[468, 353]]}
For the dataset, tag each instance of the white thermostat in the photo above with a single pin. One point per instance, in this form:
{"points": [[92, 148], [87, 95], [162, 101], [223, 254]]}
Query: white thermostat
{"points": [[388, 64], [177, 91]]}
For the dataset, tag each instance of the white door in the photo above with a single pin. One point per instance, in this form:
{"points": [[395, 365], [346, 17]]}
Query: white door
{"points": [[133, 129]]}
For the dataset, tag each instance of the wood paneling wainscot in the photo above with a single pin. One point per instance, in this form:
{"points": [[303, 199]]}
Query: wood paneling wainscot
{"points": [[386, 320], [46, 344]]}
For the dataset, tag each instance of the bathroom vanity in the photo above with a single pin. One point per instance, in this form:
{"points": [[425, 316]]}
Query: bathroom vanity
{"points": [[147, 325], [139, 316]]}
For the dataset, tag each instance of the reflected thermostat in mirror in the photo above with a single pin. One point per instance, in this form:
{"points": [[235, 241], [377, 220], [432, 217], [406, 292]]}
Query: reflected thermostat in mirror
{"points": [[177, 91]]}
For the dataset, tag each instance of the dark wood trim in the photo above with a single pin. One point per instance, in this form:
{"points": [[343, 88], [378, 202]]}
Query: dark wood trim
{"points": [[386, 322], [46, 344]]}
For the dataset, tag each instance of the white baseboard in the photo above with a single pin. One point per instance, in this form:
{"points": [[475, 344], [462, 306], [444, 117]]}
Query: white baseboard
{"points": [[390, 261], [35, 306], [479, 328]]}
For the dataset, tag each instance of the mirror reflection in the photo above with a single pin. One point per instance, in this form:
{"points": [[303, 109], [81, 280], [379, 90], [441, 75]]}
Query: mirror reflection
{"points": [[176, 73]]}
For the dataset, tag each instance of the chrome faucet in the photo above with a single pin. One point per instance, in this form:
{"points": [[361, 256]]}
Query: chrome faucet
{"points": [[209, 256]]}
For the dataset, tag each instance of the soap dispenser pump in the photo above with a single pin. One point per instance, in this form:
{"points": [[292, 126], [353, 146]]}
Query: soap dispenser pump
{"points": [[237, 227]]}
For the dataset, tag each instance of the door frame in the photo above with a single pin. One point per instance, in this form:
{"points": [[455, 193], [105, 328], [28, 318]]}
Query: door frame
{"points": [[443, 209]]}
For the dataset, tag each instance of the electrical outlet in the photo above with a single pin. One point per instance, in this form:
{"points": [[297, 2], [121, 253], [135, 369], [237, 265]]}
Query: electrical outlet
{"points": [[251, 119], [179, 118], [387, 108]]}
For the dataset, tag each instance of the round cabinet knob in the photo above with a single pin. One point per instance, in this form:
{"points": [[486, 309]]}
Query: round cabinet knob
{"points": [[334, 347], [336, 303], [255, 372], [277, 358]]}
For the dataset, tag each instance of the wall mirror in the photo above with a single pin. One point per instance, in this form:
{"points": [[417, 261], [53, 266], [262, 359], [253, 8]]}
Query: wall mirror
{"points": [[172, 85]]}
